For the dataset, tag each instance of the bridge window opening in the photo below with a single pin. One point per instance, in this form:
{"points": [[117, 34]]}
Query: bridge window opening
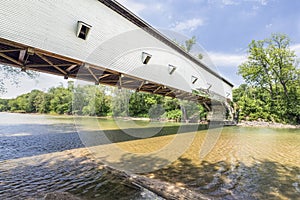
{"points": [[194, 79], [172, 69], [209, 86], [83, 30], [146, 57]]}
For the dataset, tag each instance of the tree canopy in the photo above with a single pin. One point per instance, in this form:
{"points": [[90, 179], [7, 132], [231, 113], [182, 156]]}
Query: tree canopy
{"points": [[99, 101], [272, 76]]}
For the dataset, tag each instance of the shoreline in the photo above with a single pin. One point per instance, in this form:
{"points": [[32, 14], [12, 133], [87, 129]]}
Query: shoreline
{"points": [[242, 123], [263, 124]]}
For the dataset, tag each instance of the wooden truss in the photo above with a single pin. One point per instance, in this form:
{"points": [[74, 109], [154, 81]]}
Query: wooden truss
{"points": [[28, 58]]}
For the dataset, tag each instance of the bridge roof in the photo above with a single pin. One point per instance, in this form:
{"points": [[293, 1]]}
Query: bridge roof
{"points": [[123, 11]]}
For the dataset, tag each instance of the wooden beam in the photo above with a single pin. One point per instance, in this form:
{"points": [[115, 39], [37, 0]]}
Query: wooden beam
{"points": [[48, 61], [53, 55], [11, 59], [109, 81], [129, 81], [46, 65], [10, 43], [104, 75], [92, 73], [71, 68], [172, 91], [104, 69], [157, 89], [141, 85], [180, 95], [206, 106], [9, 50]]}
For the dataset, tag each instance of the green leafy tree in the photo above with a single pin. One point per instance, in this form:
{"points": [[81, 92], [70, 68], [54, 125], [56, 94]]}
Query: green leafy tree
{"points": [[272, 71], [188, 46], [61, 100], [13, 75], [95, 102]]}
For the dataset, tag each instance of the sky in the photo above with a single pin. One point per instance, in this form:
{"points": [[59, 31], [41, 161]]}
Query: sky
{"points": [[224, 28]]}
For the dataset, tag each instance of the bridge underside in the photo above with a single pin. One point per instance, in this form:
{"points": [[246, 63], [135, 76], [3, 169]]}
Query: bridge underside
{"points": [[28, 58]]}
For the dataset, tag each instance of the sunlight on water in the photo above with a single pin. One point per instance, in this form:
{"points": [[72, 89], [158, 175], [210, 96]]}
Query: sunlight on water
{"points": [[40, 154]]}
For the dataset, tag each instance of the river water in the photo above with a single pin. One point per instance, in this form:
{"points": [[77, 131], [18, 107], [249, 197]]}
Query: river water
{"points": [[42, 154]]}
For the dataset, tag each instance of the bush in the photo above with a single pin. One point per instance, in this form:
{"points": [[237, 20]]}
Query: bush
{"points": [[174, 115]]}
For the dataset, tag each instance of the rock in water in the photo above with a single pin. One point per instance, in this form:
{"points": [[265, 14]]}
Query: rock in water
{"points": [[60, 196]]}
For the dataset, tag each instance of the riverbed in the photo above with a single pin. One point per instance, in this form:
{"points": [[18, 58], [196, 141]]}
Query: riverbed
{"points": [[41, 154]]}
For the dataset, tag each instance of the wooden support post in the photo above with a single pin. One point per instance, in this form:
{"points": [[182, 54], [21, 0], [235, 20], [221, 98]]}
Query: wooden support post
{"points": [[22, 55], [120, 81], [49, 62], [140, 87], [11, 59]]}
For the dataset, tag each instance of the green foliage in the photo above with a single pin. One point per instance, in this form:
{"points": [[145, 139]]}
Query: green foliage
{"points": [[90, 100], [156, 111], [188, 45], [120, 101], [272, 76], [174, 115], [61, 100], [144, 104], [101, 101], [13, 75]]}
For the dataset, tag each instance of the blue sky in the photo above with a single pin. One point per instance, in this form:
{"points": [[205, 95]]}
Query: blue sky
{"points": [[224, 28]]}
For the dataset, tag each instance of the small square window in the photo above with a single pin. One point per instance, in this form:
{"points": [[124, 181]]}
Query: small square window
{"points": [[83, 30], [194, 79], [146, 57], [172, 69]]}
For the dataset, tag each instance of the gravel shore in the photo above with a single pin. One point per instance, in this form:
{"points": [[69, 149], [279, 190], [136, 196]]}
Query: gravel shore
{"points": [[266, 124]]}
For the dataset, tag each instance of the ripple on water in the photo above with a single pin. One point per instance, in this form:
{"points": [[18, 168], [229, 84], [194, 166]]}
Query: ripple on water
{"points": [[44, 156], [23, 178]]}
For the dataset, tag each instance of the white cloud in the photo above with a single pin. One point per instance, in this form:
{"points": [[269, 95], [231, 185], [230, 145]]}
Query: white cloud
{"points": [[296, 48], [230, 2], [133, 6], [263, 2], [137, 7], [221, 59], [188, 25], [260, 2], [226, 59], [269, 25]]}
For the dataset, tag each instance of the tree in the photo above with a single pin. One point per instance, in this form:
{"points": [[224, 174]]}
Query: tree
{"points": [[61, 100], [188, 46], [272, 71], [13, 75], [95, 102]]}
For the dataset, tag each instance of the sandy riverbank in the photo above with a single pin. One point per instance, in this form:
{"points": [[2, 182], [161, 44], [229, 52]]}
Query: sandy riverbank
{"points": [[266, 124]]}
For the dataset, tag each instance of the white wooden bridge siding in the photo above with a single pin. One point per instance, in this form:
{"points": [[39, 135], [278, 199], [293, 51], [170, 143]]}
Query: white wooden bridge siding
{"points": [[114, 42]]}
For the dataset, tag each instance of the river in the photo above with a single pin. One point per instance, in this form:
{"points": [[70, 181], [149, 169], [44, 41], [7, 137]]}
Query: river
{"points": [[41, 154]]}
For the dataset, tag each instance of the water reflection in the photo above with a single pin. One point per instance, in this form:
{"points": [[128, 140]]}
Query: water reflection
{"points": [[40, 154]]}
